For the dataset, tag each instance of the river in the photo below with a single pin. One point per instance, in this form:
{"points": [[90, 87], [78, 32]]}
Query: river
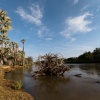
{"points": [[68, 87]]}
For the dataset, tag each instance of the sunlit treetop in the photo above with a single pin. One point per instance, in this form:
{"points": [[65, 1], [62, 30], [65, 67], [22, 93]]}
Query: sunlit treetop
{"points": [[4, 22]]}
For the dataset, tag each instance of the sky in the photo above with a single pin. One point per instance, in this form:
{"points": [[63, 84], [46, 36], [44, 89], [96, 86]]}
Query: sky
{"points": [[67, 27]]}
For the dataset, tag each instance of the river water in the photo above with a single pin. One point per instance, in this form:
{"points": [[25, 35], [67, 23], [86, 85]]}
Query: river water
{"points": [[68, 87]]}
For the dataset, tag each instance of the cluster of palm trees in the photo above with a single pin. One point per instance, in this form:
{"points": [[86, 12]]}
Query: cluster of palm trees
{"points": [[10, 54], [9, 51]]}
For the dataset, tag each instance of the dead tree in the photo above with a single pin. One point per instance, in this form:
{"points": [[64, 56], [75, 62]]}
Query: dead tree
{"points": [[51, 64]]}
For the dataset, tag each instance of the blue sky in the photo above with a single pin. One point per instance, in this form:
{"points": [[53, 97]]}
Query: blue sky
{"points": [[69, 27]]}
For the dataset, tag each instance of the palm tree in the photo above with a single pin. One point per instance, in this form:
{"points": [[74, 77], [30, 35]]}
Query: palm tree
{"points": [[3, 39], [23, 41], [4, 27], [19, 57], [14, 47], [16, 50], [4, 22]]}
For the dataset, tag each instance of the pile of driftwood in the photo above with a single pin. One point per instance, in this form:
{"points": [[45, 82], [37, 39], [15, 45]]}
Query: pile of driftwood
{"points": [[51, 64]]}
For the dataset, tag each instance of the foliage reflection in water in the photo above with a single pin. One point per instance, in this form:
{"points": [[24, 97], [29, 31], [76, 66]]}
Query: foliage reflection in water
{"points": [[68, 87]]}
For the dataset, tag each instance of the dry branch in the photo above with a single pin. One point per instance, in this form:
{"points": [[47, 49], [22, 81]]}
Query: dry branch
{"points": [[51, 64]]}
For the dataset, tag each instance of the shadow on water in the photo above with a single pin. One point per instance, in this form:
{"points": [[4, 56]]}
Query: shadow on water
{"points": [[68, 87]]}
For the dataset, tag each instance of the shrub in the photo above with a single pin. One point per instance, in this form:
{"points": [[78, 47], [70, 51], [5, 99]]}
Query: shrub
{"points": [[17, 85]]}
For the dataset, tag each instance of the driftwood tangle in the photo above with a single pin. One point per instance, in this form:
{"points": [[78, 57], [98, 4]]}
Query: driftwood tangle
{"points": [[51, 64]]}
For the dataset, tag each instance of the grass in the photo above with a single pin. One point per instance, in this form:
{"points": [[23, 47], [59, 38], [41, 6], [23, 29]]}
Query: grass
{"points": [[9, 94], [17, 85], [11, 90]]}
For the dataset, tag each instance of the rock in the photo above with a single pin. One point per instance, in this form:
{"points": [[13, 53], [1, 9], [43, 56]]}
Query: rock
{"points": [[78, 75], [98, 82]]}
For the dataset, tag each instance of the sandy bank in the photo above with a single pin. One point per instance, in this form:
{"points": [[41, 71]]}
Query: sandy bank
{"points": [[10, 68], [6, 92]]}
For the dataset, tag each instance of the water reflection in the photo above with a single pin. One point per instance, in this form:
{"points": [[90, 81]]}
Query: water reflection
{"points": [[47, 87], [15, 75], [91, 69], [52, 82], [68, 87], [87, 70]]}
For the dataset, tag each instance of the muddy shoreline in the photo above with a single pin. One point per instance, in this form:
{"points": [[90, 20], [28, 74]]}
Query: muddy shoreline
{"points": [[6, 92]]}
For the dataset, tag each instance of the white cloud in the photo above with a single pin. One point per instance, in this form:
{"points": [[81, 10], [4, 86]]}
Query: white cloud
{"points": [[37, 12], [76, 1], [85, 7], [42, 30], [75, 25], [79, 24], [34, 15], [73, 39], [49, 39], [98, 8]]}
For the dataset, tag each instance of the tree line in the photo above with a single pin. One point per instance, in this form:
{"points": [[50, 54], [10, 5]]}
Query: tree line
{"points": [[86, 57], [9, 50]]}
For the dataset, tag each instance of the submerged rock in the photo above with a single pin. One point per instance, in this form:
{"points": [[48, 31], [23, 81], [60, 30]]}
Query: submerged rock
{"points": [[78, 75], [98, 82]]}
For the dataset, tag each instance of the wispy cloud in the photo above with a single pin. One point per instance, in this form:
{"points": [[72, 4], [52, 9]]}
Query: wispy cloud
{"points": [[85, 7], [75, 25], [43, 29], [76, 1], [34, 15], [49, 39], [89, 6], [77, 49], [73, 39], [98, 8]]}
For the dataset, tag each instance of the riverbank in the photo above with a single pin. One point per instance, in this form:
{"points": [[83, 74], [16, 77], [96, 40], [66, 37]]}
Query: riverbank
{"points": [[6, 90], [6, 68]]}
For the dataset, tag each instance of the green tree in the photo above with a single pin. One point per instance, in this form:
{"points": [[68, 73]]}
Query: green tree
{"points": [[14, 50], [29, 60], [5, 22], [86, 57], [96, 54], [19, 57]]}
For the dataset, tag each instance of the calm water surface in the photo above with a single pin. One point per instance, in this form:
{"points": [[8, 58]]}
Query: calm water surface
{"points": [[68, 87]]}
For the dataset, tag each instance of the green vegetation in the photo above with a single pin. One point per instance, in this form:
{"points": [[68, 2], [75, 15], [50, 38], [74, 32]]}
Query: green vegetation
{"points": [[23, 41], [9, 50], [29, 61], [87, 57], [17, 85], [11, 90], [10, 55]]}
